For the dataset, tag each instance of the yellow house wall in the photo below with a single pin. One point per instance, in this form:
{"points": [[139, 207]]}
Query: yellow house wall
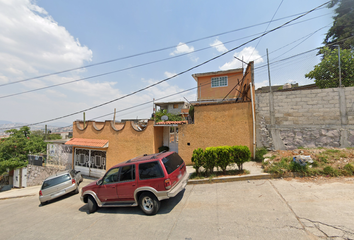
{"points": [[124, 144], [206, 92], [216, 125]]}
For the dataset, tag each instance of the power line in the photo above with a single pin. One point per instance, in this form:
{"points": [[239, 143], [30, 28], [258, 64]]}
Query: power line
{"points": [[185, 71], [147, 52], [265, 29], [136, 66]]}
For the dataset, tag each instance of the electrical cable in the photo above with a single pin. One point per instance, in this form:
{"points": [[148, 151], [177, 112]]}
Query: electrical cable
{"points": [[136, 66], [185, 71], [148, 52]]}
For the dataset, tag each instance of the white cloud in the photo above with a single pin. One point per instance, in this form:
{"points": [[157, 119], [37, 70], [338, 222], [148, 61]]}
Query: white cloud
{"points": [[261, 84], [31, 42], [248, 54], [219, 46], [182, 48], [168, 74]]}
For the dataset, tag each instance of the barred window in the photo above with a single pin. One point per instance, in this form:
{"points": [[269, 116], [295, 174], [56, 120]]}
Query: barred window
{"points": [[219, 82]]}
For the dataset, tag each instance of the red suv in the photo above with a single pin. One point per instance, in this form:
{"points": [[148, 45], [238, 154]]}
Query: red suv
{"points": [[143, 181]]}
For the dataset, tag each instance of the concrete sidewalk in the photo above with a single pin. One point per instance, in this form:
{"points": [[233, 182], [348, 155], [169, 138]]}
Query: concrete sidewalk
{"points": [[256, 172]]}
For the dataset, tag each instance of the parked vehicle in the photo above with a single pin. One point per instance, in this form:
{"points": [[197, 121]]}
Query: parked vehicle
{"points": [[143, 181], [60, 184]]}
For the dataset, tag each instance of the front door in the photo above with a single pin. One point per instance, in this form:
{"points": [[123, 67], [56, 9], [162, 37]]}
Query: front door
{"points": [[173, 139]]}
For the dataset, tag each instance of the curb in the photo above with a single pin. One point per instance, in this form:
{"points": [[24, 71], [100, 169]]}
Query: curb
{"points": [[231, 179], [29, 195]]}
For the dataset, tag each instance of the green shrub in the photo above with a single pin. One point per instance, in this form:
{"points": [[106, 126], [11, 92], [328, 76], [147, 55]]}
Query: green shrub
{"points": [[280, 167], [240, 155], [296, 167], [349, 169], [164, 148], [223, 157], [198, 159], [209, 160], [260, 152], [328, 170], [323, 159], [315, 164]]}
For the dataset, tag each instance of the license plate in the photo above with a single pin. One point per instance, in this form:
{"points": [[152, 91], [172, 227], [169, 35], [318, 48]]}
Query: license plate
{"points": [[179, 176]]}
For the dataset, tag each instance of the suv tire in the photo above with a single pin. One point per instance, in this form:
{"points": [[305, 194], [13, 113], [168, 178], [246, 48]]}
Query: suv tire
{"points": [[148, 203], [92, 205]]}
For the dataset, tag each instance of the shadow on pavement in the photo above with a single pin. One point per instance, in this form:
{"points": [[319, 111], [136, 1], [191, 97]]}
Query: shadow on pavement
{"points": [[166, 207]]}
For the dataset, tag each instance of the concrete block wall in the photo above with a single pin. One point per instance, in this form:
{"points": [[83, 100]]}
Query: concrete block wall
{"points": [[306, 118]]}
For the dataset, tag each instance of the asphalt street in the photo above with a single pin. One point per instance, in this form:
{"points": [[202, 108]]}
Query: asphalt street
{"points": [[259, 209]]}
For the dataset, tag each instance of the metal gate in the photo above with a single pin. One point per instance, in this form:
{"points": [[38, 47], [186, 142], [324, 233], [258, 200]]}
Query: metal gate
{"points": [[89, 162]]}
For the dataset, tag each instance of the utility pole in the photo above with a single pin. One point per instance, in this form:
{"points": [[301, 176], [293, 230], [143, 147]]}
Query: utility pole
{"points": [[84, 121], [45, 132], [340, 74], [271, 100]]}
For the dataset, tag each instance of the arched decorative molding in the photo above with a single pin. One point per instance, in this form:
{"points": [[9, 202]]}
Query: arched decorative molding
{"points": [[99, 123], [139, 125], [117, 126], [80, 125]]}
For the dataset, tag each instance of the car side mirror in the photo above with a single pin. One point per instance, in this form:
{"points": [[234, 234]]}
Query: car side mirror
{"points": [[99, 182]]}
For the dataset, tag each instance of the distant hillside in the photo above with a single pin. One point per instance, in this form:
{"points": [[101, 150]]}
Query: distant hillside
{"points": [[6, 125]]}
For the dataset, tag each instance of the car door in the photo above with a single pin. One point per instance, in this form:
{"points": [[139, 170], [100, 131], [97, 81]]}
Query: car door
{"points": [[127, 183], [108, 189]]}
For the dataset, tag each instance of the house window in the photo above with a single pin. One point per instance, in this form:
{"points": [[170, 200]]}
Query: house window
{"points": [[218, 82], [175, 105]]}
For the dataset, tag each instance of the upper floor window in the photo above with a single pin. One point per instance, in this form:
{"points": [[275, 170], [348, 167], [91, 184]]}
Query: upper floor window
{"points": [[218, 81]]}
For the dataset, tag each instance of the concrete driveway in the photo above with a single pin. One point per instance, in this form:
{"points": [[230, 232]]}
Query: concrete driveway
{"points": [[260, 209]]}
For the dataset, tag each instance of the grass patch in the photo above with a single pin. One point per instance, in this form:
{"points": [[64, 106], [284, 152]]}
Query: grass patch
{"points": [[260, 152]]}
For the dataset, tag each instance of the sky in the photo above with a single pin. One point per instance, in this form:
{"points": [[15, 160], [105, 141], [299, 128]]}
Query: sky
{"points": [[149, 41]]}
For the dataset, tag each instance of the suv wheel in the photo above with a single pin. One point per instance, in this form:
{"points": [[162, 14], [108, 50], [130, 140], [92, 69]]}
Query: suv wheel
{"points": [[92, 205], [149, 203]]}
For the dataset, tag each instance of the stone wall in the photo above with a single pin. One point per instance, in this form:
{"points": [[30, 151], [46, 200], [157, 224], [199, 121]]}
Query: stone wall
{"points": [[305, 118], [37, 174]]}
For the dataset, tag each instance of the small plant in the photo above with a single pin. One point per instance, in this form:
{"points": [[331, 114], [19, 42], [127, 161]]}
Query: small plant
{"points": [[300, 147], [198, 159], [343, 155], [331, 151], [240, 155], [272, 157], [260, 152], [349, 169], [296, 167], [315, 164], [323, 159], [280, 167], [328, 170]]}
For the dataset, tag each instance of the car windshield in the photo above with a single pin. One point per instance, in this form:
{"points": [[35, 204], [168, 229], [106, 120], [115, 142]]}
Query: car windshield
{"points": [[172, 162], [55, 181]]}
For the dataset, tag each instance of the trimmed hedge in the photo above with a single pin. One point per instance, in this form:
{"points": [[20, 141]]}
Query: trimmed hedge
{"points": [[220, 157]]}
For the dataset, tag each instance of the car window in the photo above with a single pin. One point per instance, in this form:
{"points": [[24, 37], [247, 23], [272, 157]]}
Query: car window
{"points": [[55, 181], [111, 176], [150, 170], [172, 162], [127, 173]]}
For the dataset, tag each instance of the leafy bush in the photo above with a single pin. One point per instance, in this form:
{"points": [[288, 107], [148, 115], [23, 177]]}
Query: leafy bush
{"points": [[198, 159], [280, 167], [171, 117], [296, 167], [328, 170], [164, 148], [260, 152], [209, 159], [315, 164], [349, 169], [240, 155], [223, 157]]}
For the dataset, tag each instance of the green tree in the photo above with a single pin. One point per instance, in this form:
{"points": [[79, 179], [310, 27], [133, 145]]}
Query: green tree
{"points": [[326, 73], [41, 134], [14, 149], [342, 30], [171, 117]]}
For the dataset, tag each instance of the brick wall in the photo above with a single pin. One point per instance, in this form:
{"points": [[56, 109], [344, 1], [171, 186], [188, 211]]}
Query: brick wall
{"points": [[307, 118]]}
